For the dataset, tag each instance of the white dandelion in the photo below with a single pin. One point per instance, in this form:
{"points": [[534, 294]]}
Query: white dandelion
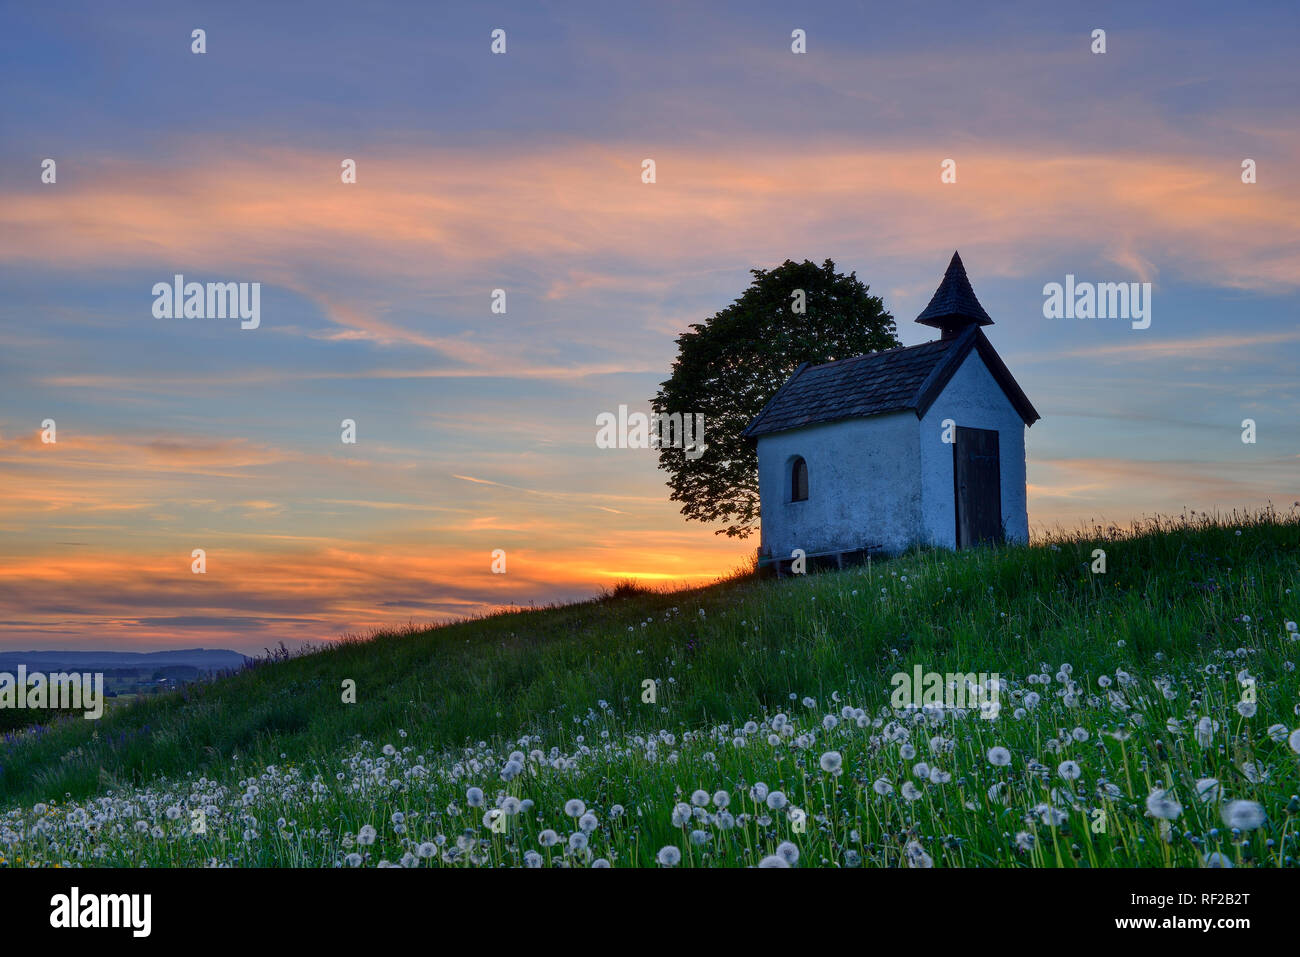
{"points": [[999, 756], [1243, 815], [1162, 804], [1208, 790]]}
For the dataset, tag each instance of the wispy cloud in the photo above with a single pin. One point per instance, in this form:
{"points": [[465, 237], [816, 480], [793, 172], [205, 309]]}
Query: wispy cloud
{"points": [[1143, 350]]}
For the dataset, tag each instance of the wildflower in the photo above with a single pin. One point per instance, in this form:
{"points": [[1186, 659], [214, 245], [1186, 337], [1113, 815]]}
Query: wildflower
{"points": [[548, 838], [773, 860], [1162, 804], [776, 800], [999, 756], [1243, 815], [1069, 770], [1052, 817], [669, 856], [575, 808], [352, 860], [1217, 860], [366, 836], [1205, 729], [1294, 741], [882, 787], [916, 856], [788, 852], [474, 797], [831, 762], [1254, 773], [700, 798], [1207, 790]]}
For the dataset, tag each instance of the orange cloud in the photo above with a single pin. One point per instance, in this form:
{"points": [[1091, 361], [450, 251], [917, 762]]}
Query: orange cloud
{"points": [[422, 216]]}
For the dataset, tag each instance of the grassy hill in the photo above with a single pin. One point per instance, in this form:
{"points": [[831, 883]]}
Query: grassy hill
{"points": [[1146, 712]]}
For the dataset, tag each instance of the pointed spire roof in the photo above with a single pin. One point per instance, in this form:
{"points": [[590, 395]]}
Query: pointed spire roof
{"points": [[954, 306]]}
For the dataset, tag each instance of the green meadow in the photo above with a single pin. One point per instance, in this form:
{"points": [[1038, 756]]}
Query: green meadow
{"points": [[1148, 716]]}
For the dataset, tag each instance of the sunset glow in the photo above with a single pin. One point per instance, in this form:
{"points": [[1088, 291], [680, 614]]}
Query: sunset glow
{"points": [[475, 430]]}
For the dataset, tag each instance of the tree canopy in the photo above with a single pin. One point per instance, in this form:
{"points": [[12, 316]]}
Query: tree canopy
{"points": [[729, 367]]}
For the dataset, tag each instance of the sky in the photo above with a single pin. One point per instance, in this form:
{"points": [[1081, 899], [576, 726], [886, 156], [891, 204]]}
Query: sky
{"points": [[521, 171]]}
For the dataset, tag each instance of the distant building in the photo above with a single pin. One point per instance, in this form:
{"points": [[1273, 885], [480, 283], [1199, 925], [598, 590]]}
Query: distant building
{"points": [[922, 445]]}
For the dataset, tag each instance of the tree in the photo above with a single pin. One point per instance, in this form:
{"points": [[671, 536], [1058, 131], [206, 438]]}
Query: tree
{"points": [[729, 367]]}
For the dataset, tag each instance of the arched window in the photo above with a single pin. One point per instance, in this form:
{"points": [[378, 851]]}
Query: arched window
{"points": [[798, 480]]}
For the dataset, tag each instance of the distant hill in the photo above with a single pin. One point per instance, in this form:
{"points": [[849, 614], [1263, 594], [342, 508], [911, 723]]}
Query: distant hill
{"points": [[204, 660]]}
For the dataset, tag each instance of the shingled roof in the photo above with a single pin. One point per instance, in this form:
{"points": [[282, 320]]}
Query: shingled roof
{"points": [[896, 380], [954, 306]]}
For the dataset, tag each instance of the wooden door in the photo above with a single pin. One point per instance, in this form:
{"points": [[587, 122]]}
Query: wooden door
{"points": [[977, 485]]}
